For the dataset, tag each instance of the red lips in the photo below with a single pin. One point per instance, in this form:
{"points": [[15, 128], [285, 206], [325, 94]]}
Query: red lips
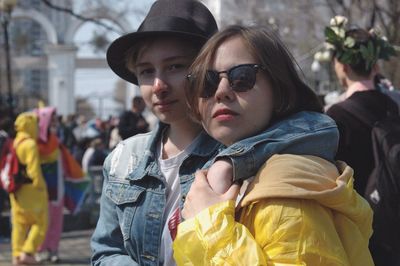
{"points": [[224, 111]]}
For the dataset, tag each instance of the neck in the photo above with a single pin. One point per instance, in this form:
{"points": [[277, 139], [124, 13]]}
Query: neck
{"points": [[178, 137], [359, 85], [351, 79]]}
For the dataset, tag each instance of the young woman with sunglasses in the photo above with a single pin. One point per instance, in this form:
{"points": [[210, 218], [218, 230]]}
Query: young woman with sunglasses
{"points": [[298, 209]]}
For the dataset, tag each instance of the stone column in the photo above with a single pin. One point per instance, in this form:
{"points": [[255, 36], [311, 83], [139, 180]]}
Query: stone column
{"points": [[61, 71]]}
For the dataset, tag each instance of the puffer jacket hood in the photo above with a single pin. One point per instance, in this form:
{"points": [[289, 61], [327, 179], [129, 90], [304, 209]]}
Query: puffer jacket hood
{"points": [[27, 124], [310, 177]]}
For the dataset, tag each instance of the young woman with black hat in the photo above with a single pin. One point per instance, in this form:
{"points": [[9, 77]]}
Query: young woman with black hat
{"points": [[146, 176]]}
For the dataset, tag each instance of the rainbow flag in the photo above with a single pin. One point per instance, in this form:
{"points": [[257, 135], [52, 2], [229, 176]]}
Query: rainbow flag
{"points": [[50, 172], [76, 184], [75, 194]]}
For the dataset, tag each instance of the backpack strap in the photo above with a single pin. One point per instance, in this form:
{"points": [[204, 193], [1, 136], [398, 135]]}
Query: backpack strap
{"points": [[14, 150], [20, 141], [362, 113]]}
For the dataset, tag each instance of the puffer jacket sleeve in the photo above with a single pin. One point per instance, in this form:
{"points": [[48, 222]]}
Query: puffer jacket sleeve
{"points": [[214, 238], [272, 232]]}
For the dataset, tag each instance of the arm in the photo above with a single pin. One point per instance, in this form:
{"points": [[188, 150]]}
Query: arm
{"points": [[291, 135], [107, 242]]}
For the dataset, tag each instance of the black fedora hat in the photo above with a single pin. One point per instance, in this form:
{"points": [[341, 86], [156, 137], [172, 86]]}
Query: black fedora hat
{"points": [[187, 18]]}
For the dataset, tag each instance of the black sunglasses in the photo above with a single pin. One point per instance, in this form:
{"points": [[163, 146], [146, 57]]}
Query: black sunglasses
{"points": [[241, 78]]}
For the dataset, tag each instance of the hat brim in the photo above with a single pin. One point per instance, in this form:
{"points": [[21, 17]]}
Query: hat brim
{"points": [[116, 53]]}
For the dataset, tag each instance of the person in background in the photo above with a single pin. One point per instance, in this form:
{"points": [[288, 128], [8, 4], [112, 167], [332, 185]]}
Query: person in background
{"points": [[115, 138], [132, 122], [94, 155], [49, 151], [355, 71], [29, 204], [298, 209], [6, 132], [356, 76], [6, 128], [69, 137], [58, 166], [147, 175], [384, 85]]}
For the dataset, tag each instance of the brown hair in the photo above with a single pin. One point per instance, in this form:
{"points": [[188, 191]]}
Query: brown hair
{"points": [[291, 94]]}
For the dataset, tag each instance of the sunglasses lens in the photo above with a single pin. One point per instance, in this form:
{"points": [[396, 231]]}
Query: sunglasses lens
{"points": [[242, 78], [211, 84]]}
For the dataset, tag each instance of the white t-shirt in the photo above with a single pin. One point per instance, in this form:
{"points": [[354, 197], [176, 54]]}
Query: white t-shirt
{"points": [[170, 170]]}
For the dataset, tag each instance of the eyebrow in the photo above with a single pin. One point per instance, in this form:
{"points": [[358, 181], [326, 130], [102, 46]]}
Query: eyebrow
{"points": [[171, 58]]}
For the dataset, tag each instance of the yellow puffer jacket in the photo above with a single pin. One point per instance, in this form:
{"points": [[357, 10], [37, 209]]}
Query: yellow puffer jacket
{"points": [[32, 196], [299, 210]]}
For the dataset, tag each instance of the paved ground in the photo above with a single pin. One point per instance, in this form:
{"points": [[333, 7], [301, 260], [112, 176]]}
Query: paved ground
{"points": [[74, 249]]}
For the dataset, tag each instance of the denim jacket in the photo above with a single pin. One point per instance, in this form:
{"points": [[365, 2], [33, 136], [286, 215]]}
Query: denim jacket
{"points": [[303, 133], [133, 199]]}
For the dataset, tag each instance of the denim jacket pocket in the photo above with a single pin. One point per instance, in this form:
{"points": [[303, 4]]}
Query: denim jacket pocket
{"points": [[126, 198], [121, 193]]}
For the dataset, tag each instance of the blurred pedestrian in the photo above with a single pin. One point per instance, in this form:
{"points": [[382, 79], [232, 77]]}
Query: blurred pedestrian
{"points": [[54, 167], [115, 138], [94, 155], [29, 204], [355, 67], [384, 85], [6, 132], [132, 122], [356, 75], [49, 158], [69, 137]]}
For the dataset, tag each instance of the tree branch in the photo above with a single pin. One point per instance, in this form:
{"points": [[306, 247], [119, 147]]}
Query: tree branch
{"points": [[72, 13]]}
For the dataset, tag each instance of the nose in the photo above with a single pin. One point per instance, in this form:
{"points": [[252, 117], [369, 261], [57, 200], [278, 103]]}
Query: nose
{"points": [[160, 87], [224, 91]]}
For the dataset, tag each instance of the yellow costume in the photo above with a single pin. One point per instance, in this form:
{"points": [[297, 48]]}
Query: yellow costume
{"points": [[299, 210], [29, 203]]}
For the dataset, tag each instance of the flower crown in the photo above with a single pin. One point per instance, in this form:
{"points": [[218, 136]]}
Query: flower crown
{"points": [[356, 46]]}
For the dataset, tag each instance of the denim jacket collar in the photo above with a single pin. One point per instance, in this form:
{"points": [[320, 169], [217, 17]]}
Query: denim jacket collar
{"points": [[148, 166]]}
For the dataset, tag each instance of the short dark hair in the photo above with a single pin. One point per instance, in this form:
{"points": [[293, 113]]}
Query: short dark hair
{"points": [[137, 99], [361, 37], [291, 94]]}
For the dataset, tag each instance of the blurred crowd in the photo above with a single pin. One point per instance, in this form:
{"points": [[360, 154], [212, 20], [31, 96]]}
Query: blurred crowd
{"points": [[65, 148]]}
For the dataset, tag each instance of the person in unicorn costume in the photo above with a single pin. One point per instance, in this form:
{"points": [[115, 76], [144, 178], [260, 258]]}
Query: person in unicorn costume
{"points": [[64, 178]]}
